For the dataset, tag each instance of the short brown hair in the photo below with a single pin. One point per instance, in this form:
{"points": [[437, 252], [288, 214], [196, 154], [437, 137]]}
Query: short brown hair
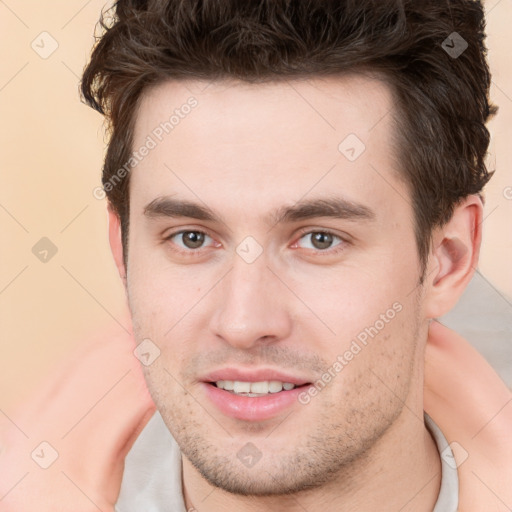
{"points": [[441, 97]]}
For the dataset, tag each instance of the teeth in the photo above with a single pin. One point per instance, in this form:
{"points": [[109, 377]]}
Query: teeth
{"points": [[259, 387], [274, 386], [254, 388], [241, 387], [228, 385]]}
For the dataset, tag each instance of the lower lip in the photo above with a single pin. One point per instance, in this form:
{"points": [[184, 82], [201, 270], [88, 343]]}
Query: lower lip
{"points": [[256, 408]]}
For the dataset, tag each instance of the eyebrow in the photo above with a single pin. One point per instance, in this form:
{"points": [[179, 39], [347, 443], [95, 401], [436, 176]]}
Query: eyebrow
{"points": [[335, 207]]}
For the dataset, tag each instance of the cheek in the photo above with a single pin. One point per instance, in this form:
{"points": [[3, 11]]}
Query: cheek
{"points": [[161, 294], [169, 394], [350, 301], [375, 377], [372, 317], [166, 307]]}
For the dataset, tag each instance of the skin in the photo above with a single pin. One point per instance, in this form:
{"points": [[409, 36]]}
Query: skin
{"points": [[245, 150]]}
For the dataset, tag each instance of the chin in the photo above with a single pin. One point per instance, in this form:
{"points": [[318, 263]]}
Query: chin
{"points": [[258, 481]]}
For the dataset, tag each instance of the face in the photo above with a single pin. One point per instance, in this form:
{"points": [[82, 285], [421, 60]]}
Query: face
{"points": [[269, 248]]}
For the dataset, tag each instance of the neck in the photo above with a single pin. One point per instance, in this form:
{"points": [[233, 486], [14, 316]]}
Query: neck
{"points": [[402, 471]]}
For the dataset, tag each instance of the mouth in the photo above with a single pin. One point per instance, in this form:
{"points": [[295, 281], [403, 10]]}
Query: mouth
{"points": [[253, 395]]}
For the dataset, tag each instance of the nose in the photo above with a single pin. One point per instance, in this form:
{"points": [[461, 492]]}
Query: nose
{"points": [[251, 306]]}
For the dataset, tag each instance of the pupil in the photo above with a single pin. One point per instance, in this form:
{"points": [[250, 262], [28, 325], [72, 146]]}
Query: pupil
{"points": [[322, 240], [193, 239]]}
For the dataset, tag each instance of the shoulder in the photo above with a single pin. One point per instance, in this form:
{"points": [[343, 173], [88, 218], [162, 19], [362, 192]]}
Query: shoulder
{"points": [[473, 408]]}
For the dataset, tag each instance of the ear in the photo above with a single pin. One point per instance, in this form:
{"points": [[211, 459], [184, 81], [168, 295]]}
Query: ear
{"points": [[453, 257], [116, 244]]}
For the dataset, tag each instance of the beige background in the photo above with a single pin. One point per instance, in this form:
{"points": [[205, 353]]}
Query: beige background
{"points": [[51, 154]]}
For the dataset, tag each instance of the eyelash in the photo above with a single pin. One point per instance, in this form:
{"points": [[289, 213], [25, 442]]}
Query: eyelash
{"points": [[305, 231]]}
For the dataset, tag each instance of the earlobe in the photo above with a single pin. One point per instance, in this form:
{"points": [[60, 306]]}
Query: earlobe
{"points": [[115, 240], [453, 257]]}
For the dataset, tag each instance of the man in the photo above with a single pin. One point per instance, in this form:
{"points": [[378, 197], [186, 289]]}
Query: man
{"points": [[294, 197], [301, 201]]}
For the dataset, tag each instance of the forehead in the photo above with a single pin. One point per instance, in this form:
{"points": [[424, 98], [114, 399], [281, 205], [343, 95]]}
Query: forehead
{"points": [[268, 142], [243, 113]]}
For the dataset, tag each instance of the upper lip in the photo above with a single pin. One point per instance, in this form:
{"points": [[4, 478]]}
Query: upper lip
{"points": [[253, 375]]}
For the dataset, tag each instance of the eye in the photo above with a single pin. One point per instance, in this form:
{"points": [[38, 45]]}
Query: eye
{"points": [[189, 240], [321, 241]]}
